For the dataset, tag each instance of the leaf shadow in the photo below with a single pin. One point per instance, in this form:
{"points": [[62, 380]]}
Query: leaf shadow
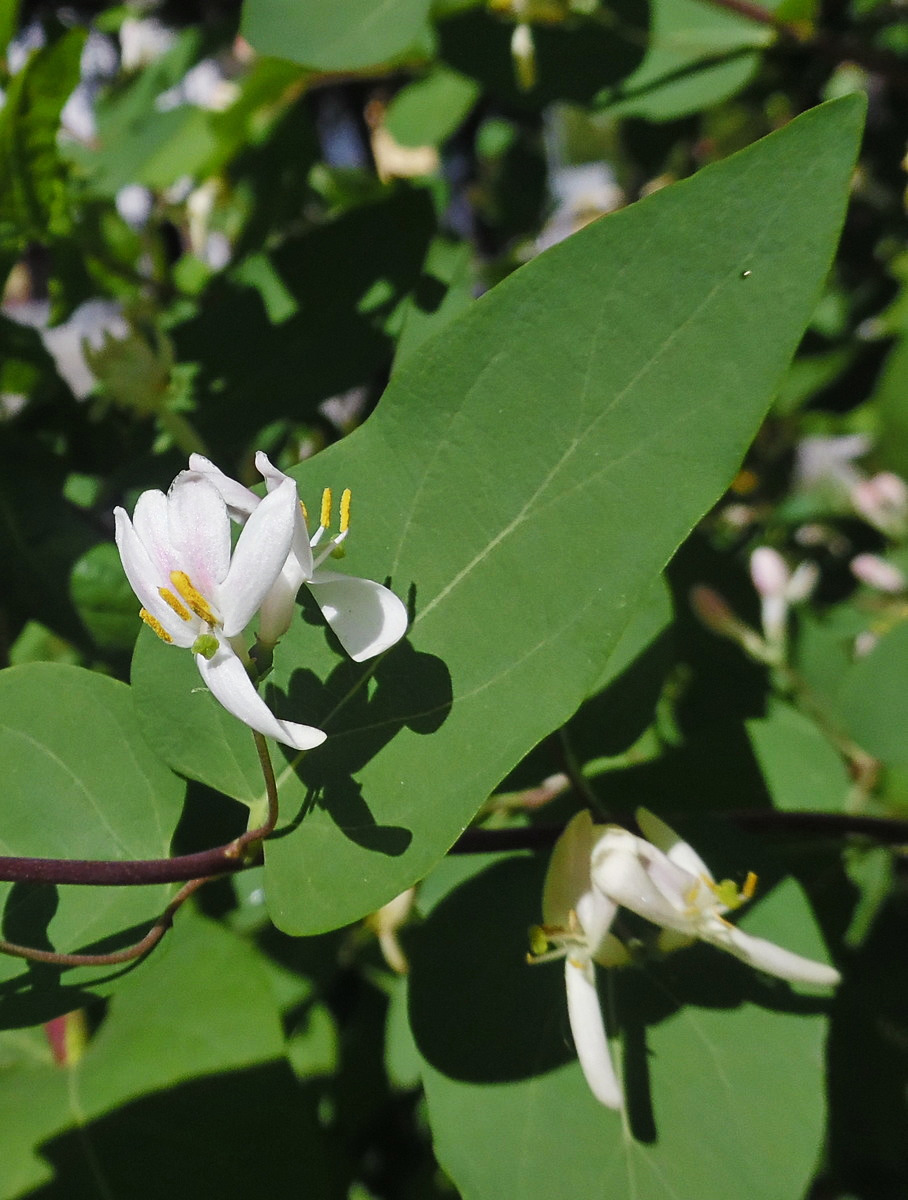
{"points": [[39, 992], [481, 1014], [362, 707]]}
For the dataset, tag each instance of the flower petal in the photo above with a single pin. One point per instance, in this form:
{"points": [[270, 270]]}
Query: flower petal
{"points": [[568, 873], [145, 579], [671, 844], [258, 558], [226, 678], [241, 502], [621, 870], [588, 1030], [767, 956], [199, 532], [366, 617]]}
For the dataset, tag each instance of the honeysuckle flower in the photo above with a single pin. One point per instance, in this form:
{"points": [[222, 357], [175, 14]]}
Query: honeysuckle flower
{"points": [[779, 588], [882, 500], [366, 617], [196, 594], [877, 573], [577, 917], [665, 881]]}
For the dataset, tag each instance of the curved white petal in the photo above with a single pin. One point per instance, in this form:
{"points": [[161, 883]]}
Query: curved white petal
{"points": [[149, 519], [767, 956], [226, 678], [620, 872], [258, 558], [588, 1030], [199, 532], [671, 844], [366, 617], [241, 502], [145, 579], [301, 548]]}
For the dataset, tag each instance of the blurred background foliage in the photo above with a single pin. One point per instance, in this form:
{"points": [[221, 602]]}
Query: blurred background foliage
{"points": [[223, 226]]}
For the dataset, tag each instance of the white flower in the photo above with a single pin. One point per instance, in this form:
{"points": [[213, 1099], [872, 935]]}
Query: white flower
{"points": [[196, 594], [779, 588], [366, 617], [577, 917], [666, 881]]}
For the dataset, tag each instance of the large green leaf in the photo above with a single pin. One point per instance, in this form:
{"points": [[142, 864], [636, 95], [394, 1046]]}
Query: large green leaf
{"points": [[528, 473], [722, 1070], [346, 35], [201, 1006], [79, 781]]}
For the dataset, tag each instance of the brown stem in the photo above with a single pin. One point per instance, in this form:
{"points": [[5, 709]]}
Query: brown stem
{"points": [[243, 852]]}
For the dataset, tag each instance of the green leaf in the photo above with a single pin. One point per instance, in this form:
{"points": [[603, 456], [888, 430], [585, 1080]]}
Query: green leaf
{"points": [[346, 35], [525, 478], [428, 111], [79, 781], [801, 768], [698, 55], [201, 1004], [33, 203], [714, 1058]]}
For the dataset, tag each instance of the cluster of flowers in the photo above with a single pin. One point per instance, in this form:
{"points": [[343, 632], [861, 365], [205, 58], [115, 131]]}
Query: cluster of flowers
{"points": [[597, 869], [198, 593]]}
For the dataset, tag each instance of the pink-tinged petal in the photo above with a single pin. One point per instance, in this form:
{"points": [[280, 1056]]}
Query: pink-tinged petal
{"points": [[621, 873], [226, 678], [199, 532], [258, 558], [588, 1031], [149, 519], [671, 844], [241, 502], [145, 579], [767, 956], [366, 617]]}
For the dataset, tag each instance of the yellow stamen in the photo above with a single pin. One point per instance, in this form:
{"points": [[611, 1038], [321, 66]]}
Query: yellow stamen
{"points": [[305, 514], [325, 515], [750, 886], [193, 597], [155, 624], [172, 602], [345, 510]]}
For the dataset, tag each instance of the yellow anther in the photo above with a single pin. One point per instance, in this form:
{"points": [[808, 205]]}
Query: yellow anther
{"points": [[325, 516], [172, 602], [155, 624], [345, 510], [750, 886], [303, 511], [193, 597]]}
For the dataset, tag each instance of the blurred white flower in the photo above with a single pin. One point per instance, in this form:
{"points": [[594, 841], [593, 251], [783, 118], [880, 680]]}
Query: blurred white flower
{"points": [[779, 588], [90, 323], [142, 40], [882, 501], [134, 204], [877, 573], [830, 460]]}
